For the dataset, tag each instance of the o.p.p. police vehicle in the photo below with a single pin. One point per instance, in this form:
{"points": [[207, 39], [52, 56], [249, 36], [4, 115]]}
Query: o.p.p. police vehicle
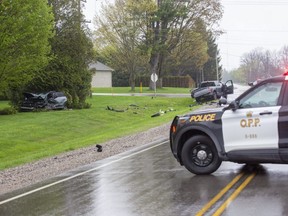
{"points": [[252, 129]]}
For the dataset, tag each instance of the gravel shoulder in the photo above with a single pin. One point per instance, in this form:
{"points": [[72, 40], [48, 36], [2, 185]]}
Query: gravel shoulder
{"points": [[32, 173]]}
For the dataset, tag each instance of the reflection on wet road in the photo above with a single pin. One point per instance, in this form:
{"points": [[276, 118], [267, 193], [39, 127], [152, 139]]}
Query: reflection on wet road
{"points": [[151, 182]]}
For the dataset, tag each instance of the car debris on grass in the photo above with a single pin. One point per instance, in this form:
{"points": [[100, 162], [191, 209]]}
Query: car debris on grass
{"points": [[136, 107]]}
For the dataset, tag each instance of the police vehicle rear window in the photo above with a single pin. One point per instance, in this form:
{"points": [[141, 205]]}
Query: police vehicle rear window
{"points": [[207, 84]]}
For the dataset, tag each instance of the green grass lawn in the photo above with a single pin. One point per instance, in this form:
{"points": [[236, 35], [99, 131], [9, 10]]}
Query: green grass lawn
{"points": [[144, 90], [29, 136]]}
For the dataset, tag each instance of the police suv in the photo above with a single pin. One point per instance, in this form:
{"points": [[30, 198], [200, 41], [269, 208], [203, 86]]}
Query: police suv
{"points": [[252, 129]]}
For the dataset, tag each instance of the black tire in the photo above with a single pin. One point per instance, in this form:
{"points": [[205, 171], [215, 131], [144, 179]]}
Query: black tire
{"points": [[214, 96], [198, 100], [199, 155]]}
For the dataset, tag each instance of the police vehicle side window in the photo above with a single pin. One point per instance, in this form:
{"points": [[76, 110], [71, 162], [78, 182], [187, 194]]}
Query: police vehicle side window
{"points": [[263, 96]]}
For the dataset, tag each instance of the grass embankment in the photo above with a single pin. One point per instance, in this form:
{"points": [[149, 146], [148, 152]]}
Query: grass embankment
{"points": [[26, 137]]}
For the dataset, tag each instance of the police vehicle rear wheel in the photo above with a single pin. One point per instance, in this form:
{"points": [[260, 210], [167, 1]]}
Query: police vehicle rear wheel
{"points": [[199, 155]]}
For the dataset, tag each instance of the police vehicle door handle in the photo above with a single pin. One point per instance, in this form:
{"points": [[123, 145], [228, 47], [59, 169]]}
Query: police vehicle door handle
{"points": [[266, 113]]}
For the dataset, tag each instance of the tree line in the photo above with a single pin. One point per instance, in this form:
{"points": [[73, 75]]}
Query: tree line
{"points": [[46, 44], [163, 37], [260, 64]]}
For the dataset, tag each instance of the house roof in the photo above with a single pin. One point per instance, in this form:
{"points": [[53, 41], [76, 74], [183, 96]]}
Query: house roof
{"points": [[98, 66]]}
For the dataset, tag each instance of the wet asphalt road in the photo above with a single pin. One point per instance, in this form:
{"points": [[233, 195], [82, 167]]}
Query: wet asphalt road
{"points": [[149, 181]]}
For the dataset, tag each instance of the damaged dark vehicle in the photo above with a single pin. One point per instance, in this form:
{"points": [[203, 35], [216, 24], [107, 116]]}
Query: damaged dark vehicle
{"points": [[50, 101]]}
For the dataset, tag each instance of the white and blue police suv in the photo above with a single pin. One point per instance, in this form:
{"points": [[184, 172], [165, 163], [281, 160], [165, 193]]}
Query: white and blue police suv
{"points": [[252, 129]]}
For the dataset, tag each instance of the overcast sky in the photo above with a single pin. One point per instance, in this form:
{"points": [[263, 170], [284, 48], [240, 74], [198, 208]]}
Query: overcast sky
{"points": [[248, 24]]}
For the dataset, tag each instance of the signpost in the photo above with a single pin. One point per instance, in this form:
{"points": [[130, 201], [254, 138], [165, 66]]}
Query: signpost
{"points": [[154, 79]]}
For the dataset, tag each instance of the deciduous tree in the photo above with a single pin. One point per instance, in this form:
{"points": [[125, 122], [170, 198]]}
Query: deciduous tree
{"points": [[154, 34], [260, 64], [119, 29], [170, 24]]}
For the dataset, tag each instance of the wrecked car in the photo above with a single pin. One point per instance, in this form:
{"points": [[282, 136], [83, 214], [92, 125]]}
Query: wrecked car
{"points": [[50, 100]]}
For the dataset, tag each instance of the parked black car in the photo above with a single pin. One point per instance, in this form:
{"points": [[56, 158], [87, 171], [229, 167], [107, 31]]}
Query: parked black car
{"points": [[50, 100]]}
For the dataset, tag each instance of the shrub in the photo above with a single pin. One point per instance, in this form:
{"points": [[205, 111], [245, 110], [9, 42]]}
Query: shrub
{"points": [[8, 111]]}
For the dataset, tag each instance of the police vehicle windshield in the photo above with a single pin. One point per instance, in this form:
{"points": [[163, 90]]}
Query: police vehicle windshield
{"points": [[265, 95]]}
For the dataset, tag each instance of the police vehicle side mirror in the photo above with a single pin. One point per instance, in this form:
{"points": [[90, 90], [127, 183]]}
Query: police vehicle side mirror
{"points": [[233, 106]]}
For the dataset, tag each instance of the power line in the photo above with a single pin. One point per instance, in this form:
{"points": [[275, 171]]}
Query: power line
{"points": [[229, 54], [236, 39], [241, 43], [256, 30], [270, 3]]}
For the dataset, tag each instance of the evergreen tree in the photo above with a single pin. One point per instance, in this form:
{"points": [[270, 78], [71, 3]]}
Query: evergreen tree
{"points": [[25, 28], [212, 69], [72, 51]]}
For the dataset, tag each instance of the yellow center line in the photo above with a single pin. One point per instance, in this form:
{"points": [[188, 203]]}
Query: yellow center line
{"points": [[219, 195], [234, 195]]}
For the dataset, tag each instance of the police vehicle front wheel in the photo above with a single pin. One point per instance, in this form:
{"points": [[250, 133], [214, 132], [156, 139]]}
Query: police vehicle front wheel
{"points": [[199, 155]]}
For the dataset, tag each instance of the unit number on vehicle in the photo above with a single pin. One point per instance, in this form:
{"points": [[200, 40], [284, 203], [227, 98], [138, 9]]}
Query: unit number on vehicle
{"points": [[250, 136]]}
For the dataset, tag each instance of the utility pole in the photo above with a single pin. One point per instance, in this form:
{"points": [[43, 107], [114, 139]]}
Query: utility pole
{"points": [[217, 72]]}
